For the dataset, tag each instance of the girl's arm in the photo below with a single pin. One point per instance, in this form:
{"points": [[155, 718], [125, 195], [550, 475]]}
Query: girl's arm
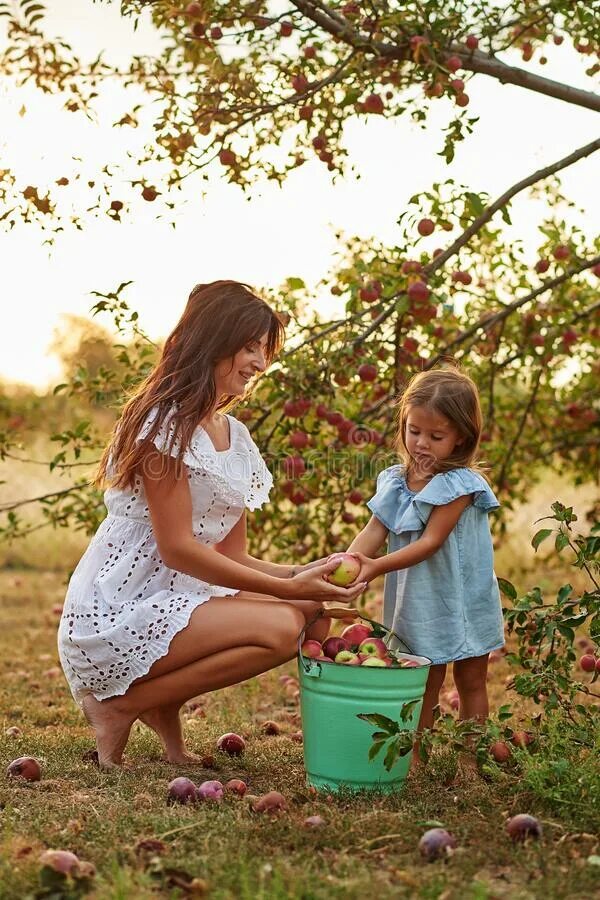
{"points": [[441, 522], [170, 505], [371, 539]]}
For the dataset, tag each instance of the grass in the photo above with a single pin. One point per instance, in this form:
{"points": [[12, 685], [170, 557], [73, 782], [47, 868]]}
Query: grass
{"points": [[368, 846]]}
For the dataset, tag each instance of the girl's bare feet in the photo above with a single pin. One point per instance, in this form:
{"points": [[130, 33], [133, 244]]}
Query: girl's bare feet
{"points": [[165, 721], [111, 728]]}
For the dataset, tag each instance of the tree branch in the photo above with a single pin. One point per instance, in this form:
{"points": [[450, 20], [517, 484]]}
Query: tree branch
{"points": [[472, 60], [5, 507], [481, 220], [493, 319], [509, 453]]}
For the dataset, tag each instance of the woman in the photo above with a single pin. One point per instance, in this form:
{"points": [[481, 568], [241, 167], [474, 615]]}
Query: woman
{"points": [[166, 603]]}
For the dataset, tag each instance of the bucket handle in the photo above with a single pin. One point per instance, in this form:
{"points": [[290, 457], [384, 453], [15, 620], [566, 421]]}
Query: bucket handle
{"points": [[323, 612]]}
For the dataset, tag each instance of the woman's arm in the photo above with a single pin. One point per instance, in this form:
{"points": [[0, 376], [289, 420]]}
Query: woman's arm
{"points": [[170, 505], [235, 546]]}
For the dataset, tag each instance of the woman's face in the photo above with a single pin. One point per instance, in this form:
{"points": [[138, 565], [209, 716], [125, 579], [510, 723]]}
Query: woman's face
{"points": [[233, 375]]}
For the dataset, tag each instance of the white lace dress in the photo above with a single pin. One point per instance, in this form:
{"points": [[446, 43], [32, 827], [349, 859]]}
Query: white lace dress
{"points": [[123, 604]]}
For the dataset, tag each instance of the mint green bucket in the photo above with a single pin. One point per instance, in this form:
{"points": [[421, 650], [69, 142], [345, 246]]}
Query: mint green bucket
{"points": [[336, 741]]}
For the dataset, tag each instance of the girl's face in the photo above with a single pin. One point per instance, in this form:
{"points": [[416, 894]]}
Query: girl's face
{"points": [[233, 375], [430, 437]]}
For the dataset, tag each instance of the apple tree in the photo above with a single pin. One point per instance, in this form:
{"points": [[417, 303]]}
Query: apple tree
{"points": [[257, 89]]}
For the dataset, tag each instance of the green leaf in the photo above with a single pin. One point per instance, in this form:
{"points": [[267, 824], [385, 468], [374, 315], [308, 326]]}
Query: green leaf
{"points": [[383, 722], [561, 541], [375, 748], [295, 284], [507, 588], [407, 709], [540, 536]]}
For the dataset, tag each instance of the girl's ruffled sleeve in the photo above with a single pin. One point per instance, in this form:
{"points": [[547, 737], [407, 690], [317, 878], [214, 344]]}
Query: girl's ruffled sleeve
{"points": [[385, 504], [261, 480], [449, 486]]}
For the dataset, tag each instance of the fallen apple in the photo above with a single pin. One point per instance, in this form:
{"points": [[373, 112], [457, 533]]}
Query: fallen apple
{"points": [[311, 649], [521, 739], [347, 658], [373, 647], [314, 822], [270, 727], [26, 767], [231, 743], [236, 786], [523, 826], [355, 634], [60, 860], [333, 645], [437, 842], [210, 790], [181, 790], [346, 571], [271, 802], [500, 751]]}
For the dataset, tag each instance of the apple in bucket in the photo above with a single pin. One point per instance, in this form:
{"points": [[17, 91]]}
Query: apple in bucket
{"points": [[346, 571], [373, 647], [355, 634], [333, 645]]}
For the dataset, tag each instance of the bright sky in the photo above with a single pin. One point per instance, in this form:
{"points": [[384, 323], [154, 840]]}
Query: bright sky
{"points": [[282, 231]]}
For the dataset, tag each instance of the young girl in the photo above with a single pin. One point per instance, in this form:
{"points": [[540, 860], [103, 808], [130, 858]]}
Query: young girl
{"points": [[166, 603], [441, 595]]}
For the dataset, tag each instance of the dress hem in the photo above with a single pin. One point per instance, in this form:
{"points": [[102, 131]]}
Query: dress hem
{"points": [[81, 694], [439, 662]]}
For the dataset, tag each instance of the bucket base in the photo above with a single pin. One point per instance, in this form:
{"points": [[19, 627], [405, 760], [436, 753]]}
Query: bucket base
{"points": [[329, 785]]}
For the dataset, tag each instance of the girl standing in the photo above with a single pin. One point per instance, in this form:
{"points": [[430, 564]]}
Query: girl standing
{"points": [[166, 603], [441, 595]]}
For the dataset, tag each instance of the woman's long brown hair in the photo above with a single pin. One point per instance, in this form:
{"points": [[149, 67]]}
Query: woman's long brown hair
{"points": [[219, 319]]}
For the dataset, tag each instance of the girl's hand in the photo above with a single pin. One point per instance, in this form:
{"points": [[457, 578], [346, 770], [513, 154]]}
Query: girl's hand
{"points": [[311, 565], [368, 567], [311, 584]]}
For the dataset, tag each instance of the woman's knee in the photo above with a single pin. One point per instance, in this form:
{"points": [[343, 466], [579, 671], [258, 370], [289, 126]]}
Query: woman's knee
{"points": [[284, 630]]}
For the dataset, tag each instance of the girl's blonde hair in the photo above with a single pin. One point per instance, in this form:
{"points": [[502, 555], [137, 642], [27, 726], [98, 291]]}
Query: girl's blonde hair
{"points": [[219, 319], [450, 393]]}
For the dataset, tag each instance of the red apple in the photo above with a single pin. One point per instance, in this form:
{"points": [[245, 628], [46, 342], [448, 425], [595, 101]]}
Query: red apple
{"points": [[436, 843], [181, 790], [294, 466], [418, 291], [26, 767], [271, 802], [462, 100], [561, 251], [426, 227], [346, 571], [355, 634], [231, 743], [587, 662], [333, 645], [62, 861], [500, 751], [542, 265], [453, 63], [210, 790], [471, 42], [285, 29], [598, 665], [521, 739], [373, 647], [299, 440], [227, 158], [373, 104], [311, 649], [522, 826], [355, 497], [367, 372], [347, 658], [236, 786], [149, 194]]}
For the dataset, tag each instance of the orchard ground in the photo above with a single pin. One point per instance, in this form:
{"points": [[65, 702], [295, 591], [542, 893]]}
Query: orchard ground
{"points": [[367, 845]]}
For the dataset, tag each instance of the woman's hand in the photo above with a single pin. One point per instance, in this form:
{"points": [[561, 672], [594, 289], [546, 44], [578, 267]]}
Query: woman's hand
{"points": [[368, 567], [311, 584]]}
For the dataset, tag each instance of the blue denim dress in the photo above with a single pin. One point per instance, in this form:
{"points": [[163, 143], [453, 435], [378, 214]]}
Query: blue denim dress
{"points": [[448, 606]]}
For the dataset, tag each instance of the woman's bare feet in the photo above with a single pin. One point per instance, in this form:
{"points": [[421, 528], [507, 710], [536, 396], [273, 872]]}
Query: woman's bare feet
{"points": [[111, 728], [165, 721]]}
